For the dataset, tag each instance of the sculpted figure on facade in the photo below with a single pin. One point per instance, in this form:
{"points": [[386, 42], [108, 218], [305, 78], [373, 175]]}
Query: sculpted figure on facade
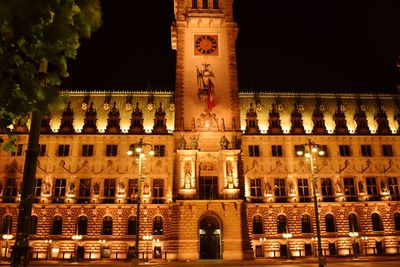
{"points": [[194, 142], [182, 143], [96, 188], [121, 188], [71, 190], [223, 142]]}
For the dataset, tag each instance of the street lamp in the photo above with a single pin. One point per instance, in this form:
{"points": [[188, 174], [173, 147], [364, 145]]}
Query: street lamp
{"points": [[76, 238], [48, 243], [7, 238], [262, 240], [147, 238], [137, 149], [310, 150], [354, 235], [365, 240], [101, 242], [287, 235], [314, 241]]}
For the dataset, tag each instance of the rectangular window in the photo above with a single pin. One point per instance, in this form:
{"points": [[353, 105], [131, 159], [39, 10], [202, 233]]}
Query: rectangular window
{"points": [[298, 148], [326, 189], [109, 191], [42, 150], [18, 151], [344, 150], [159, 150], [111, 150], [87, 150], [63, 150], [254, 151], [208, 187], [132, 190], [276, 150], [37, 190], [323, 148], [158, 191], [255, 187], [393, 188], [280, 190], [304, 192], [84, 190], [372, 188], [10, 191], [349, 189], [60, 185], [366, 150], [387, 150]]}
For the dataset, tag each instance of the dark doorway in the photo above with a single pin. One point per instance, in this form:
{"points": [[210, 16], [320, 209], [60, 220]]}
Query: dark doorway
{"points": [[210, 238], [131, 252], [308, 249], [80, 253], [332, 249], [379, 247], [283, 250]]}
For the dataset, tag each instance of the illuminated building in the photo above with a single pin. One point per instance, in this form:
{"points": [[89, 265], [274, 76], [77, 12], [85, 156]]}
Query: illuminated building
{"points": [[225, 181]]}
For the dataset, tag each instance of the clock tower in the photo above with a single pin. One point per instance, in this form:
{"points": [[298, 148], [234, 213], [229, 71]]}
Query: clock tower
{"points": [[210, 214]]}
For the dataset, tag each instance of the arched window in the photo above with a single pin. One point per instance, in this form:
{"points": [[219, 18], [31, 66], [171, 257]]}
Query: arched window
{"points": [[306, 224], [194, 3], [82, 225], [205, 4], [7, 225], [353, 222], [34, 223], [258, 225], [376, 222], [56, 227], [282, 227], [158, 225], [215, 4], [397, 221], [107, 225], [131, 225], [330, 226]]}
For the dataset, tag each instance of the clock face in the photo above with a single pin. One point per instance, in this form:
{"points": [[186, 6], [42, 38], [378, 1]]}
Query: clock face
{"points": [[206, 45]]}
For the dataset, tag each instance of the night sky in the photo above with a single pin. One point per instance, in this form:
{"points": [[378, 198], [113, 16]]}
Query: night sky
{"points": [[329, 45]]}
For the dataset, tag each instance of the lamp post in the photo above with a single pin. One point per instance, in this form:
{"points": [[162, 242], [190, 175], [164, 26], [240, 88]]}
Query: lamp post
{"points": [[137, 149], [364, 239], [76, 238], [48, 243], [310, 152], [7, 238], [262, 240], [147, 238], [287, 235], [354, 235], [101, 242]]}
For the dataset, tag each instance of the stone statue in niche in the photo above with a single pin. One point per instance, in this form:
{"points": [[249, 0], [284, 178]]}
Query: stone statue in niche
{"points": [[146, 189], [47, 188], [96, 188], [235, 142], [188, 175], [71, 189], [223, 142], [229, 168], [292, 189], [1, 189], [361, 187], [121, 188], [182, 143], [194, 142], [384, 188], [268, 188], [338, 188]]}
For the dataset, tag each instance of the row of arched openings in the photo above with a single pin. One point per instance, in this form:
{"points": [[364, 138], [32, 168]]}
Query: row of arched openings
{"points": [[205, 4]]}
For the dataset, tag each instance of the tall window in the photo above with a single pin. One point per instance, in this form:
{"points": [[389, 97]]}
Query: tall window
{"points": [[63, 150], [387, 150], [280, 190], [282, 224], [330, 226], [208, 187], [131, 225], [42, 150], [393, 188], [255, 187], [376, 222], [344, 150], [33, 225], [158, 225], [19, 151], [111, 150], [302, 185], [276, 150], [306, 224], [215, 4], [82, 225], [349, 188], [254, 151], [326, 189], [366, 150], [10, 191], [109, 191], [132, 190], [397, 221], [194, 3], [7, 225], [372, 189], [107, 225], [205, 4], [37, 190], [353, 222], [56, 227], [84, 190], [258, 225], [59, 190], [159, 150], [158, 190], [87, 150]]}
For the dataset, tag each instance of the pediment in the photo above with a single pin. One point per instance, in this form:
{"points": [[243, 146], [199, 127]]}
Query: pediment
{"points": [[392, 170], [326, 169], [279, 169], [302, 168], [62, 168], [159, 169], [256, 171], [109, 168], [347, 169], [369, 167], [13, 168]]}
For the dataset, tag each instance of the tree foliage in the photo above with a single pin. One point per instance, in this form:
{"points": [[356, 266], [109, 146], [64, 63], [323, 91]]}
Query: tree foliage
{"points": [[39, 34]]}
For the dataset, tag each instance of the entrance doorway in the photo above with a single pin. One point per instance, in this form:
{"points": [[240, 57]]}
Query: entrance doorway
{"points": [[210, 238]]}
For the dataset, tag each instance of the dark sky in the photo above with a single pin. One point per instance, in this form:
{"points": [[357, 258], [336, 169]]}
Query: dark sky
{"points": [[284, 45]]}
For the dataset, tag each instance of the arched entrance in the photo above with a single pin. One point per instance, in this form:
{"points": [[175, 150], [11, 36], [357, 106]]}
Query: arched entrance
{"points": [[210, 238]]}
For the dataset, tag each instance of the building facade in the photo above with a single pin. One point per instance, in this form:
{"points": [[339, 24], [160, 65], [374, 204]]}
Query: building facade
{"points": [[225, 181]]}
